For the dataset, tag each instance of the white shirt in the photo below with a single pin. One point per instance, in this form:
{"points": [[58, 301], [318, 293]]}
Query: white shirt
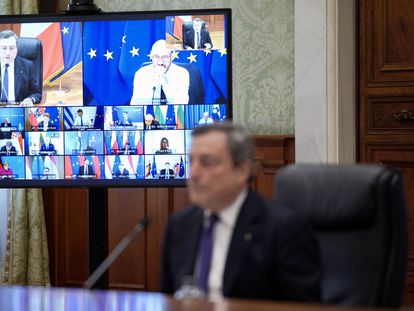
{"points": [[176, 89], [82, 122], [222, 233], [10, 72]]}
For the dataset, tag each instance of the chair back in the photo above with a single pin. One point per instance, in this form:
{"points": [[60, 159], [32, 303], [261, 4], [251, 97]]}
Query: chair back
{"points": [[31, 49], [359, 215], [188, 25]]}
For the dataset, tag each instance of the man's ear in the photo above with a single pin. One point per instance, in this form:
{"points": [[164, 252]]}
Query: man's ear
{"points": [[245, 170]]}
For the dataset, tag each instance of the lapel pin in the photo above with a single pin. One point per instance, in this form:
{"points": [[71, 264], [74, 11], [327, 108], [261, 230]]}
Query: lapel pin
{"points": [[247, 236]]}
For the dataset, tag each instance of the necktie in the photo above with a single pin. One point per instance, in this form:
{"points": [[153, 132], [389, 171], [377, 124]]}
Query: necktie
{"points": [[197, 40], [163, 98], [81, 121], [206, 250], [5, 85]]}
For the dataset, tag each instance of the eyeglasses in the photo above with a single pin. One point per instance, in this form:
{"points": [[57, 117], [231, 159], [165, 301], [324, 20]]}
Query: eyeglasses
{"points": [[163, 57]]}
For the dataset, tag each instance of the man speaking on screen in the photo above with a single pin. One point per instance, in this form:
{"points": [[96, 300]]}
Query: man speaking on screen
{"points": [[231, 242], [161, 82], [18, 83]]}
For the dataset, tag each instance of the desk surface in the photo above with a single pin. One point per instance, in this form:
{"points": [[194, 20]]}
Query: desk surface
{"points": [[57, 299]]}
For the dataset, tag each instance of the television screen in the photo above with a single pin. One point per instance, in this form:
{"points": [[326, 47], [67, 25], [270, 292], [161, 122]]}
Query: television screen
{"points": [[109, 99]]}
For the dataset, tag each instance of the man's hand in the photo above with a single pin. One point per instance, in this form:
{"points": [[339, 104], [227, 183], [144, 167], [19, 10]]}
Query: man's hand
{"points": [[207, 45], [27, 102]]}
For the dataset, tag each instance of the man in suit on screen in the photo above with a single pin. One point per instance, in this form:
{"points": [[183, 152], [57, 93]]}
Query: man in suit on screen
{"points": [[47, 147], [121, 172], [86, 169], [18, 83], [166, 172], [161, 82], [8, 149], [231, 241], [46, 124], [197, 38]]}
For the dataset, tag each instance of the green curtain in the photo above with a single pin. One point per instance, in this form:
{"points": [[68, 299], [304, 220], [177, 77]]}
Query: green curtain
{"points": [[18, 7], [26, 261]]}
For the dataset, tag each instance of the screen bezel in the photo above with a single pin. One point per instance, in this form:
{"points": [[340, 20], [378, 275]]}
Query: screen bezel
{"points": [[79, 16]]}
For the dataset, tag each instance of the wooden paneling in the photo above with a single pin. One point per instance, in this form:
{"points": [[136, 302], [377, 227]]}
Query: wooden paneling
{"points": [[388, 26], [139, 266], [67, 230], [386, 97]]}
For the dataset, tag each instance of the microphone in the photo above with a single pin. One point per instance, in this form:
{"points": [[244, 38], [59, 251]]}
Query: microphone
{"points": [[106, 263], [153, 94]]}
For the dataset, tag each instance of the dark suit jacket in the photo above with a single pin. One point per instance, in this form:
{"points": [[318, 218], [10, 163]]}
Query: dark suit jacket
{"points": [[123, 122], [12, 150], [162, 173], [273, 253], [188, 40], [25, 83], [124, 174], [82, 170], [51, 147], [3, 124]]}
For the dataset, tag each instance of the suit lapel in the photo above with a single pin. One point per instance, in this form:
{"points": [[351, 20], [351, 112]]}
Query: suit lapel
{"points": [[17, 78], [243, 234], [190, 236]]}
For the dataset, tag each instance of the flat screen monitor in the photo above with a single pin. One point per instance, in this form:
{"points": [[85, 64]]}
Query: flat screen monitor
{"points": [[109, 99]]}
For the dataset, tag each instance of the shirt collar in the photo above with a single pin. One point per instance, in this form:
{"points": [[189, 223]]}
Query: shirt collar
{"points": [[228, 215], [11, 66]]}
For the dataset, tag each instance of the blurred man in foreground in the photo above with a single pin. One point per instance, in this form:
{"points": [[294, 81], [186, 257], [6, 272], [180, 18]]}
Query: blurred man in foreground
{"points": [[232, 242]]}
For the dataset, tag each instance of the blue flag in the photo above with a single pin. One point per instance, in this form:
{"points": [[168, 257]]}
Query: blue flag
{"points": [[153, 168], [113, 52], [182, 169], [141, 167], [72, 50], [170, 118], [37, 167]]}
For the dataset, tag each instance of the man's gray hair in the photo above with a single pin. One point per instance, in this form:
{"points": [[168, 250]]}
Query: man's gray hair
{"points": [[240, 142], [5, 34]]}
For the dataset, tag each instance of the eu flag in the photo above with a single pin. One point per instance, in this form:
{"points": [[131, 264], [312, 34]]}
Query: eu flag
{"points": [[72, 50], [113, 52], [154, 168]]}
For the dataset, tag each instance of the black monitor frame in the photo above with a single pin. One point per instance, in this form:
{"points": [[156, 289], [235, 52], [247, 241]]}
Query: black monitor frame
{"points": [[80, 16]]}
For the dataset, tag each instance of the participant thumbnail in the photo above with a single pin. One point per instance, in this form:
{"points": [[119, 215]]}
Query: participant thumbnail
{"points": [[11, 119], [123, 118], [43, 119], [84, 167], [84, 142], [166, 117], [42, 143], [198, 115], [123, 142], [44, 167], [11, 143], [164, 142], [124, 167], [190, 32], [11, 167], [165, 167], [83, 118]]}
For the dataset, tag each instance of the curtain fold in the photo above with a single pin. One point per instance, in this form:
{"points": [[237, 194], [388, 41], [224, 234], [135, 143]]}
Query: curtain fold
{"points": [[18, 7], [26, 258]]}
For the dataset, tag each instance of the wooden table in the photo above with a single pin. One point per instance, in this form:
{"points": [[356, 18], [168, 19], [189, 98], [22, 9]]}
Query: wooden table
{"points": [[57, 299]]}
